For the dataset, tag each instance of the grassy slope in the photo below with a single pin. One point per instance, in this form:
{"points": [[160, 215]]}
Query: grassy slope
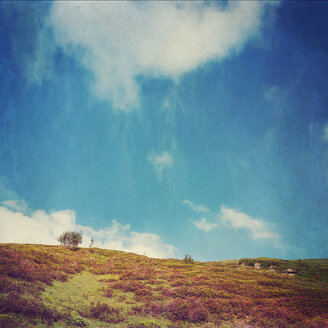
{"points": [[50, 286], [312, 269]]}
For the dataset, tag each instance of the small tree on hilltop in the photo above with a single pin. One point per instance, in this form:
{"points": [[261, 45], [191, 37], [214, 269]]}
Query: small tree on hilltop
{"points": [[188, 259], [70, 238]]}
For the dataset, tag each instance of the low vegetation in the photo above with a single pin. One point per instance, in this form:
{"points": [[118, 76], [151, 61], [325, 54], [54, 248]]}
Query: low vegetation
{"points": [[55, 286], [188, 259]]}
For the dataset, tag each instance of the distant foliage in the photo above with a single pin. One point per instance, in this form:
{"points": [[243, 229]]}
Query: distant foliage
{"points": [[247, 262], [188, 259], [70, 238]]}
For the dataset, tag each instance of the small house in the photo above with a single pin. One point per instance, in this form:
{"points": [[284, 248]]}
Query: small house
{"points": [[290, 272], [257, 265]]}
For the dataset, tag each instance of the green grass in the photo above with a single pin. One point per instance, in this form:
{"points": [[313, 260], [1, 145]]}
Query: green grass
{"points": [[77, 292], [85, 288], [81, 290]]}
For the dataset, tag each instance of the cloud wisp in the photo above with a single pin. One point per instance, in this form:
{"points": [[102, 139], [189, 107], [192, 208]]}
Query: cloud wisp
{"points": [[196, 208], [43, 228], [160, 161], [119, 41], [15, 205], [204, 225], [325, 132]]}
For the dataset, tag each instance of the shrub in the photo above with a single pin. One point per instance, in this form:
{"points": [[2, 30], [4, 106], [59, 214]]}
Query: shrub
{"points": [[103, 312], [76, 320], [108, 292], [15, 304], [70, 238], [188, 259], [177, 310], [191, 310], [10, 321]]}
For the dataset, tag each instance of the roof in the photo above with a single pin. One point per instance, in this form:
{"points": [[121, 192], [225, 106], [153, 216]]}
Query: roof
{"points": [[290, 271]]}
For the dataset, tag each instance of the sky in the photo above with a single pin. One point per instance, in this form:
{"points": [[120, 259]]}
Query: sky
{"points": [[166, 128]]}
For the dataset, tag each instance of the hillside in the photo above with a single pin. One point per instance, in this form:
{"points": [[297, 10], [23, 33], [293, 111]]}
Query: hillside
{"points": [[51, 286]]}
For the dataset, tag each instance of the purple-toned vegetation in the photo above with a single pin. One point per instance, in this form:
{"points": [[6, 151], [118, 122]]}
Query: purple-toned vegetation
{"points": [[195, 293]]}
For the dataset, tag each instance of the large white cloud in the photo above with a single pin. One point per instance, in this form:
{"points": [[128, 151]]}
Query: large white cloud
{"points": [[257, 228], [43, 228], [119, 40]]}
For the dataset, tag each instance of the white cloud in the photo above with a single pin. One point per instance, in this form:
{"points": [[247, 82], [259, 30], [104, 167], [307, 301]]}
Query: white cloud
{"points": [[44, 228], [196, 208], [257, 228], [117, 41], [203, 224], [160, 161]]}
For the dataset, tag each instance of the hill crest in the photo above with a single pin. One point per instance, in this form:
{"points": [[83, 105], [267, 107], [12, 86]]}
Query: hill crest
{"points": [[52, 286]]}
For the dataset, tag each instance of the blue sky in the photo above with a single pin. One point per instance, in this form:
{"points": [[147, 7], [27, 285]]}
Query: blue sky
{"points": [[166, 128]]}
